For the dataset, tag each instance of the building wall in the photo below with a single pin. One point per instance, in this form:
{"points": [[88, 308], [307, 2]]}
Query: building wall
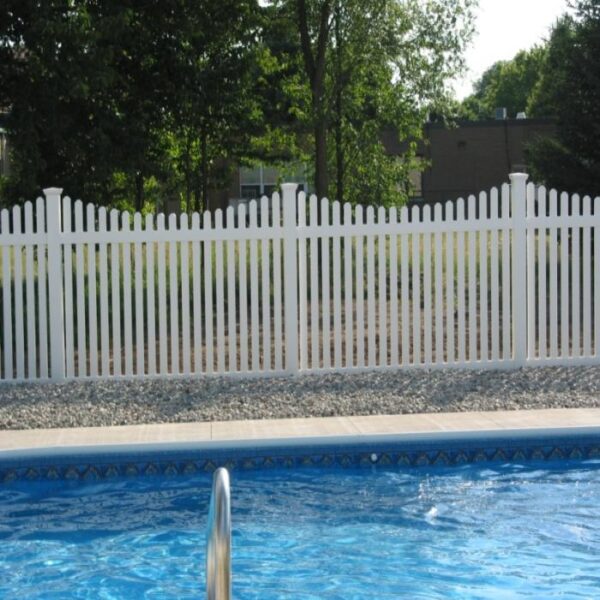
{"points": [[476, 156]]}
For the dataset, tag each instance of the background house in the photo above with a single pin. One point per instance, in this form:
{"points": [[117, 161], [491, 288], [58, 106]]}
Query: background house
{"points": [[473, 156], [461, 160]]}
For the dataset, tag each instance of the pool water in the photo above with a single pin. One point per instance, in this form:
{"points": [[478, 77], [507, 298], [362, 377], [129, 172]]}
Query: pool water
{"points": [[501, 531]]}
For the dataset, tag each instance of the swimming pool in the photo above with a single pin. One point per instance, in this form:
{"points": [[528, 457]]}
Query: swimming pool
{"points": [[516, 520]]}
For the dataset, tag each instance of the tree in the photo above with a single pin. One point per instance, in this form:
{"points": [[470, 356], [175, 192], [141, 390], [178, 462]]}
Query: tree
{"points": [[569, 88], [369, 66], [110, 98], [507, 84], [215, 111]]}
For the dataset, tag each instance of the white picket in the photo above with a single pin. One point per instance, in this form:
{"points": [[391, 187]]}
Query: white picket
{"points": [[32, 371], [460, 284], [208, 296], [103, 279], [80, 283], [277, 286], [127, 306], [472, 286], [416, 290], [494, 282], [450, 279], [382, 293], [564, 276], [231, 292], [314, 286], [302, 285], [7, 312], [197, 295], [163, 351], [348, 288], [542, 289], [40, 212], [115, 288], [92, 300], [243, 291], [439, 288], [184, 251], [506, 275], [360, 291], [325, 288], [404, 289], [254, 297], [393, 291], [371, 320], [587, 279], [68, 287], [337, 289], [483, 279], [220, 294], [553, 268], [427, 291], [265, 264], [18, 283], [139, 300], [150, 299], [174, 297], [575, 281]]}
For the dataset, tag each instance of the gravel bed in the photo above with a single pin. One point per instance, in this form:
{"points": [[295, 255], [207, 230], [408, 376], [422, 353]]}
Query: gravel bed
{"points": [[102, 403]]}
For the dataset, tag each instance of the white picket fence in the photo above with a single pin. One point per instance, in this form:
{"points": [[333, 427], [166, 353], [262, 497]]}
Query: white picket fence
{"points": [[510, 278]]}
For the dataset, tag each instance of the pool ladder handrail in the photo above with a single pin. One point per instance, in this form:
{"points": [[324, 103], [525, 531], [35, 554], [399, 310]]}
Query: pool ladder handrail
{"points": [[218, 539]]}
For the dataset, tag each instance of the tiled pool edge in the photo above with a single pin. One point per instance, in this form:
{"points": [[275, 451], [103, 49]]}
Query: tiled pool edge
{"points": [[404, 440]]}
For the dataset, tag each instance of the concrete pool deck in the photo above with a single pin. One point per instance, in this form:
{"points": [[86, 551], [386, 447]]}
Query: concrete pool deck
{"points": [[294, 432]]}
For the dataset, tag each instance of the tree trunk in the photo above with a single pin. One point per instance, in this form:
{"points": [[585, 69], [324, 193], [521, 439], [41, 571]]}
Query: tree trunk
{"points": [[204, 170], [315, 70], [339, 150], [188, 177], [321, 178], [339, 154], [139, 191]]}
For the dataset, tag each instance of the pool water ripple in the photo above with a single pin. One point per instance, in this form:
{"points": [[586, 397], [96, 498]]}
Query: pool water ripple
{"points": [[511, 531]]}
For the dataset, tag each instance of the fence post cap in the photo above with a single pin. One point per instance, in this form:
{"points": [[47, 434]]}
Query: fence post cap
{"points": [[53, 191], [519, 176], [289, 187]]}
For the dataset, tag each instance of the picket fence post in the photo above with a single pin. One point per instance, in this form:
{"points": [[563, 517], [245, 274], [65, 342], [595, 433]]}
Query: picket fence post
{"points": [[290, 276], [518, 196], [55, 284]]}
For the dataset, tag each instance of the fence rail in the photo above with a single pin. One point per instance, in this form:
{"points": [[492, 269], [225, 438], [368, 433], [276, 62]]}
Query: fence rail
{"points": [[292, 284]]}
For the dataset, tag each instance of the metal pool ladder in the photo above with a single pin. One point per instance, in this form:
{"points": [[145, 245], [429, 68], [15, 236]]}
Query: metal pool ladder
{"points": [[218, 539]]}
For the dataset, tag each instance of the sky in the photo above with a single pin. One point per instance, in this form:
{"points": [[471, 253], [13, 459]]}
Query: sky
{"points": [[503, 27]]}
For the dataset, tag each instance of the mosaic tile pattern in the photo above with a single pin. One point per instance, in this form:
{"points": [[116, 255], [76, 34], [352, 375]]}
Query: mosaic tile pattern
{"points": [[101, 467]]}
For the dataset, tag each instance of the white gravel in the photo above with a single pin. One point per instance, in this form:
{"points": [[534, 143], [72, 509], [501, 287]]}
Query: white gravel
{"points": [[101, 403]]}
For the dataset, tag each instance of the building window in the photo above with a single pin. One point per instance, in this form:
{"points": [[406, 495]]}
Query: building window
{"points": [[415, 178], [262, 180]]}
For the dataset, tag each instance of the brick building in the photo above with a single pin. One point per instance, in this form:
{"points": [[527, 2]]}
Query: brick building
{"points": [[465, 159], [473, 156]]}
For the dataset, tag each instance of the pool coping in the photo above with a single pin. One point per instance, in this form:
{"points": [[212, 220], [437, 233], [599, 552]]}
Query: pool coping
{"points": [[322, 431]]}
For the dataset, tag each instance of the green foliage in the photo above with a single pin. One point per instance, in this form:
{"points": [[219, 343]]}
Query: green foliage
{"points": [[507, 84], [367, 67], [569, 89], [129, 104], [112, 100]]}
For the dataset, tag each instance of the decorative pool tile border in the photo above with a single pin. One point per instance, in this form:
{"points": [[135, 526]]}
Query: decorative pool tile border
{"points": [[95, 467]]}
